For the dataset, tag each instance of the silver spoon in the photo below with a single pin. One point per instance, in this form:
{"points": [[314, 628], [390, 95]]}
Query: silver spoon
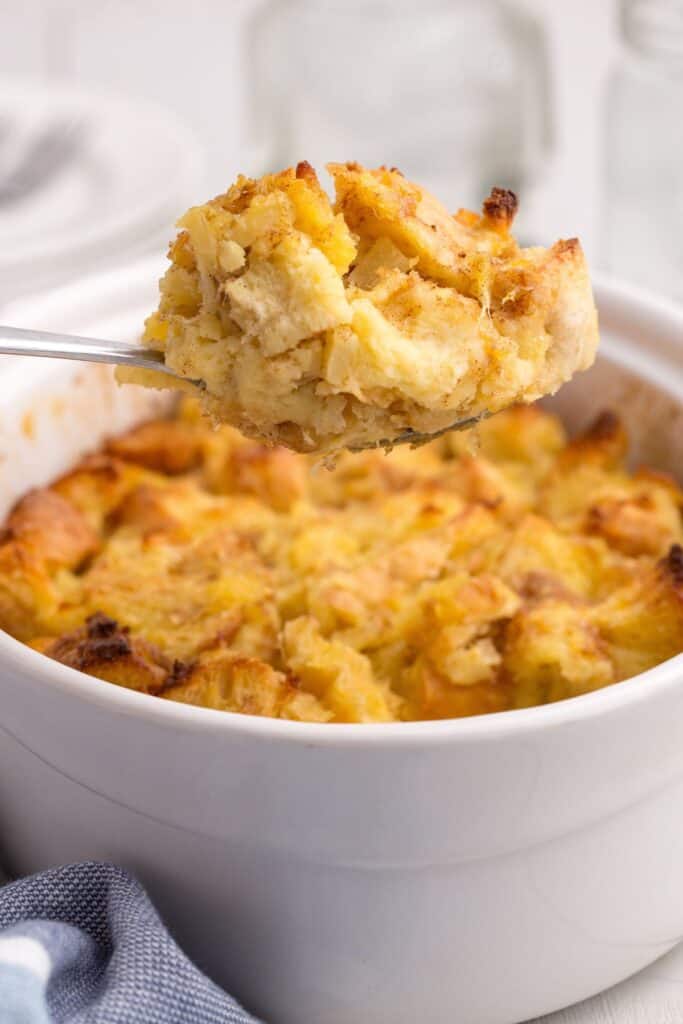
{"points": [[17, 341], [415, 439]]}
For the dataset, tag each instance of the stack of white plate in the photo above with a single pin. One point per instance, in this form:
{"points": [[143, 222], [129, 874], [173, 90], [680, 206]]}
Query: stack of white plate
{"points": [[130, 169]]}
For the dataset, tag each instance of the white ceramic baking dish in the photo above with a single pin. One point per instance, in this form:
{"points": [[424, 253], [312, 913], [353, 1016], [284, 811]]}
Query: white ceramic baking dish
{"points": [[479, 871]]}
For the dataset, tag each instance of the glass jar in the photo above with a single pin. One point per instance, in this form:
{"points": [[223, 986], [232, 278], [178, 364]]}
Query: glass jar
{"points": [[643, 208], [453, 93]]}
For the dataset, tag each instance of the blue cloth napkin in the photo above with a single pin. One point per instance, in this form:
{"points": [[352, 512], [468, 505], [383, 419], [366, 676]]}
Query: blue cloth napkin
{"points": [[83, 945]]}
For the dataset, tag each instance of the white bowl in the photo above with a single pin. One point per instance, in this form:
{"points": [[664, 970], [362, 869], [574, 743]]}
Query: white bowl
{"points": [[482, 870]]}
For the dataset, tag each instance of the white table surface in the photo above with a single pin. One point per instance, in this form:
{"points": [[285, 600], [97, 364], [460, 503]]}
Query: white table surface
{"points": [[655, 996]]}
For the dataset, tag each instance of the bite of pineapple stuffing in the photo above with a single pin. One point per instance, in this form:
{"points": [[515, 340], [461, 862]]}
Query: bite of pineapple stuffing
{"points": [[320, 326]]}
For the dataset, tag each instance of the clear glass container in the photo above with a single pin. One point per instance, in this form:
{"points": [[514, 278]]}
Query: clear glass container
{"points": [[643, 202], [455, 94]]}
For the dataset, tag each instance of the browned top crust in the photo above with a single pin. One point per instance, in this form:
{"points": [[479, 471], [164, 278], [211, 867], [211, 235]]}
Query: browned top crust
{"points": [[305, 171], [501, 207], [99, 626], [96, 643], [476, 574], [673, 564], [605, 427], [45, 521]]}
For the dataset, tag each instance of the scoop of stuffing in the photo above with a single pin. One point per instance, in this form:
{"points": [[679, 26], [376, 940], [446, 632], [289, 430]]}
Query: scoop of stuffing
{"points": [[319, 327]]}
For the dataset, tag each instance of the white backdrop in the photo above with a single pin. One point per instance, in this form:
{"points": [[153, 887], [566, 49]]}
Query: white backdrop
{"points": [[191, 56]]}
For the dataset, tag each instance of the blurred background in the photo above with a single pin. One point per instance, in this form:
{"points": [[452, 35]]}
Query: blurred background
{"points": [[116, 114]]}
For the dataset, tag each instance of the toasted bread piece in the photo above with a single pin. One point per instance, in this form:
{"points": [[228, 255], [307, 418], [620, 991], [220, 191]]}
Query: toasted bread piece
{"points": [[320, 327]]}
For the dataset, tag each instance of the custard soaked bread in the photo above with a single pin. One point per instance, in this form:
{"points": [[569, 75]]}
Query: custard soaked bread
{"points": [[320, 327], [199, 566]]}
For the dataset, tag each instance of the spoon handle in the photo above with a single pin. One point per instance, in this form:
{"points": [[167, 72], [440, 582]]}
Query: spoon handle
{"points": [[17, 341]]}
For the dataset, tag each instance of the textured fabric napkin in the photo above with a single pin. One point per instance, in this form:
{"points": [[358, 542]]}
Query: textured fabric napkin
{"points": [[84, 945]]}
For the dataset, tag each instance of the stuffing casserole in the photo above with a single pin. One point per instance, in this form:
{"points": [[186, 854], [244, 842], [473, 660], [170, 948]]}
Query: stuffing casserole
{"points": [[501, 569], [321, 327]]}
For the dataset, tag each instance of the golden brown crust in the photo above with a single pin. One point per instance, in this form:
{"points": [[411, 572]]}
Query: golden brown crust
{"points": [[98, 485], [500, 208], [628, 524], [672, 566], [606, 435], [170, 447], [104, 649], [275, 475], [305, 171], [479, 573], [47, 527]]}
